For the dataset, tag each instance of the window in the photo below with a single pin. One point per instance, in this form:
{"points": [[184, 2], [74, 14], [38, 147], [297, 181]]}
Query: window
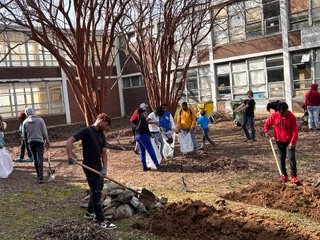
{"points": [[301, 73], [192, 85], [205, 84], [275, 76], [236, 22], [317, 66], [131, 82], [271, 14], [221, 27], [257, 79], [223, 80], [239, 77], [315, 11], [253, 19], [298, 14], [44, 96]]}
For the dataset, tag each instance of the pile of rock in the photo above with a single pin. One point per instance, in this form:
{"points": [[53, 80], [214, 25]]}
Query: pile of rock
{"points": [[119, 203]]}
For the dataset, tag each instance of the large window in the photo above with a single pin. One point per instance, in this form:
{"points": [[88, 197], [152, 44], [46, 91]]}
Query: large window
{"points": [[301, 72], [253, 18], [275, 76], [257, 77], [315, 11], [317, 66], [239, 79], [223, 81], [271, 15], [298, 14], [221, 26], [236, 22], [205, 84], [45, 97]]}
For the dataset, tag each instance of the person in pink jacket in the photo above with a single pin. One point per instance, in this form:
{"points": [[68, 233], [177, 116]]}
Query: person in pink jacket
{"points": [[286, 136], [312, 103]]}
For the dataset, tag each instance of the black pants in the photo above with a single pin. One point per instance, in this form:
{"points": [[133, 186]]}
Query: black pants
{"points": [[283, 148], [24, 146], [37, 149], [96, 185]]}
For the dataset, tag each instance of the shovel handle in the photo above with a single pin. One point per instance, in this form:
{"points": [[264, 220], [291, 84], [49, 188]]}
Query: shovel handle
{"points": [[275, 156], [110, 179]]}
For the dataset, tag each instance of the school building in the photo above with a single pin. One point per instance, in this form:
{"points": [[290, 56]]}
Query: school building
{"points": [[269, 46]]}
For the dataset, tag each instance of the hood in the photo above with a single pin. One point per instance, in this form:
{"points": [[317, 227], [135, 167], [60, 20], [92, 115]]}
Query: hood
{"points": [[314, 87], [29, 111]]}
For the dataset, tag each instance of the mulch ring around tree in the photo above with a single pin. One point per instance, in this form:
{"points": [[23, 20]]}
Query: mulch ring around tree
{"points": [[73, 230], [188, 219], [303, 199]]}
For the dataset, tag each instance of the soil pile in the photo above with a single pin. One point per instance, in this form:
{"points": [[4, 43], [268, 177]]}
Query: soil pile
{"points": [[289, 197], [73, 230], [189, 219]]}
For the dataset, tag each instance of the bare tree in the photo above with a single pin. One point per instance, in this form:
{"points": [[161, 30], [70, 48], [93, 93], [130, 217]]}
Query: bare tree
{"points": [[79, 34], [167, 35]]}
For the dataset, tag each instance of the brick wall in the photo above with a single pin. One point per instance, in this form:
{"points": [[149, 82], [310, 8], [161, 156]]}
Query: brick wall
{"points": [[132, 99], [29, 72]]}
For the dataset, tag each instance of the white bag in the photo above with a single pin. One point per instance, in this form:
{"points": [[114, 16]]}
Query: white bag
{"points": [[149, 161], [186, 144], [168, 149], [6, 165]]}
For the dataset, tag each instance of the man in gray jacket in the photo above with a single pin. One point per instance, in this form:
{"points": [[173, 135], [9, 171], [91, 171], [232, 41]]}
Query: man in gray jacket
{"points": [[35, 132]]}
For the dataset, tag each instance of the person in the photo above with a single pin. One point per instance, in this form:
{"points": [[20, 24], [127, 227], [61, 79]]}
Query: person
{"points": [[95, 156], [134, 119], [35, 133], [186, 122], [142, 135], [24, 144], [248, 117], [167, 123], [3, 126], [273, 105], [286, 136], [154, 128], [203, 122], [312, 103]]}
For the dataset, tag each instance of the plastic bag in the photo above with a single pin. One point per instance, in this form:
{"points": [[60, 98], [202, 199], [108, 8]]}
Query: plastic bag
{"points": [[6, 165], [186, 144], [149, 161], [168, 148]]}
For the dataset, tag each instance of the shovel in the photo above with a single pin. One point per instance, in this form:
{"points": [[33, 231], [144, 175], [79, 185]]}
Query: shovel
{"points": [[275, 156], [50, 170], [146, 196]]}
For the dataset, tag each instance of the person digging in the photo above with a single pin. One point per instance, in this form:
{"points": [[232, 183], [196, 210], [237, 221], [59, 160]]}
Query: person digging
{"points": [[94, 156], [286, 136]]}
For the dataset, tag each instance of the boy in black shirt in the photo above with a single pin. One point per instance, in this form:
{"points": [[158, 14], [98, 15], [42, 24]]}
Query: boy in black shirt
{"points": [[248, 116]]}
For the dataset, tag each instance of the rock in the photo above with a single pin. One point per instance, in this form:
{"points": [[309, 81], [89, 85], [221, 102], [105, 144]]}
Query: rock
{"points": [[141, 208], [124, 197], [115, 192], [134, 202], [163, 200], [123, 211], [158, 205], [107, 201]]}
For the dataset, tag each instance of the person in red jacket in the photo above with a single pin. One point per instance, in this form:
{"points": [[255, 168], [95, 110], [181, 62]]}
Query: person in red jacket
{"points": [[286, 135], [312, 103]]}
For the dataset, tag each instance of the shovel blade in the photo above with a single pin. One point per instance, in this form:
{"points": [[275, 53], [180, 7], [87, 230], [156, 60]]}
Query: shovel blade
{"points": [[51, 175], [147, 198]]}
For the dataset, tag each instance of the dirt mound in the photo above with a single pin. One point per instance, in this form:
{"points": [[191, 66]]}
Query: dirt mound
{"points": [[189, 219], [72, 230], [202, 162], [289, 197]]}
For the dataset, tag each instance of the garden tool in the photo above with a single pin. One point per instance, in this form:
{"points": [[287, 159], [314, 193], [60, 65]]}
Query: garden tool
{"points": [[317, 183], [146, 197], [51, 172], [275, 156]]}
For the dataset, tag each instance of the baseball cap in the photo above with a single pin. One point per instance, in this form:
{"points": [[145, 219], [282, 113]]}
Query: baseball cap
{"points": [[143, 106]]}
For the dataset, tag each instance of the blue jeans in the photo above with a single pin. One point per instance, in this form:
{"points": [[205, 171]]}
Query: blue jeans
{"points": [[205, 136], [24, 146], [283, 148], [144, 143], [95, 183], [37, 150], [313, 118], [249, 120]]}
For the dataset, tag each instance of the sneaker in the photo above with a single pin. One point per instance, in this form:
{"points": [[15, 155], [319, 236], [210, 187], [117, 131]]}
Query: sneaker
{"points": [[107, 225], [40, 181], [90, 216], [295, 180], [30, 159], [19, 160], [283, 178]]}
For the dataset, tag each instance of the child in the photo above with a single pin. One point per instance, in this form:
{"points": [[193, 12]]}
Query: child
{"points": [[24, 144], [203, 122], [3, 126]]}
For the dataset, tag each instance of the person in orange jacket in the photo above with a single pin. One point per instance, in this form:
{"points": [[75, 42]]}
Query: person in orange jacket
{"points": [[286, 136]]}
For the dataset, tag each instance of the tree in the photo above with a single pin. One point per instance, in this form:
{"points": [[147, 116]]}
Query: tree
{"points": [[167, 36], [80, 34]]}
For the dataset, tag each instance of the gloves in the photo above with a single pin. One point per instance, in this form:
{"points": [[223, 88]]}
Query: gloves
{"points": [[72, 161], [103, 172]]}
